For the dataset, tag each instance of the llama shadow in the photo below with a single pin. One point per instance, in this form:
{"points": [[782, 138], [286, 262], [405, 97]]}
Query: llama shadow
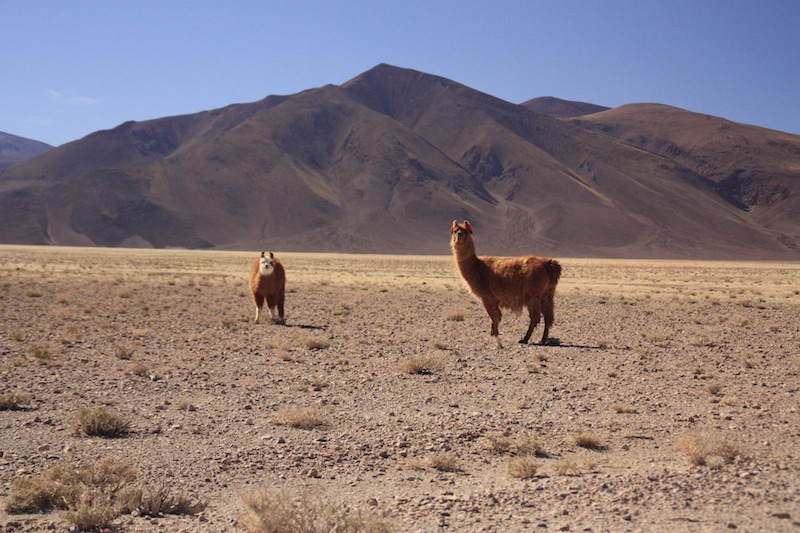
{"points": [[304, 326], [556, 343]]}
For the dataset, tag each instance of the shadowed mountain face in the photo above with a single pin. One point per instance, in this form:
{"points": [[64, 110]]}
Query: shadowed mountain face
{"points": [[15, 149], [384, 163]]}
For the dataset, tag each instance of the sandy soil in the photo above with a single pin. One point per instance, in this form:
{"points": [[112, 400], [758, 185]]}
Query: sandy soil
{"points": [[650, 354]]}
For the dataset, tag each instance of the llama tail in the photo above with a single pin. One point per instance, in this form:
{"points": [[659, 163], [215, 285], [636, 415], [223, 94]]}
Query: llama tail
{"points": [[553, 269]]}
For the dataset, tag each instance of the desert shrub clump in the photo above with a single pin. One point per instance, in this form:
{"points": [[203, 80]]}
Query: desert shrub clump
{"points": [[100, 422], [92, 494], [269, 511], [706, 450], [12, 401]]}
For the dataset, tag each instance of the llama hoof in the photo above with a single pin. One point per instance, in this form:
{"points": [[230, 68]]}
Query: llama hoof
{"points": [[279, 322], [523, 341]]}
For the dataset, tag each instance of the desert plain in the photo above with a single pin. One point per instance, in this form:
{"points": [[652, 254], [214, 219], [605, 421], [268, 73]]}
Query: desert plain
{"points": [[666, 400]]}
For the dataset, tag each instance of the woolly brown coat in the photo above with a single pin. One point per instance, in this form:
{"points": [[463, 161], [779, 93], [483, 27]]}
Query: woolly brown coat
{"points": [[268, 283], [510, 283]]}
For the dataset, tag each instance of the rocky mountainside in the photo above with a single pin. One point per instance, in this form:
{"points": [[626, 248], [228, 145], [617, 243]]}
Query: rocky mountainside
{"points": [[384, 163]]}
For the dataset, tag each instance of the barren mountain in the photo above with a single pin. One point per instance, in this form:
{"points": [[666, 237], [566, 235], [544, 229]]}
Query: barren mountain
{"points": [[14, 149], [384, 162], [555, 107]]}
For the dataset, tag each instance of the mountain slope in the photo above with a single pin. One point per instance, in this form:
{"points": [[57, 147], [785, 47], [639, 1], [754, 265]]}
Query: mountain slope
{"points": [[14, 149], [384, 162]]}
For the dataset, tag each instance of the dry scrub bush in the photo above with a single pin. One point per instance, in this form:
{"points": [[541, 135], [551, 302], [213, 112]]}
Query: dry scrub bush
{"points": [[624, 409], [100, 422], [267, 512], [705, 450], [422, 364], [503, 444], [41, 352], [301, 417], [317, 344], [444, 462], [93, 494], [570, 468], [69, 487], [158, 500], [11, 401], [588, 440], [523, 467]]}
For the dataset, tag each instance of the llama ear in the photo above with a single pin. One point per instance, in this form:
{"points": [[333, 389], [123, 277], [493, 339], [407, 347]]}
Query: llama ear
{"points": [[468, 225], [271, 256], [262, 254]]}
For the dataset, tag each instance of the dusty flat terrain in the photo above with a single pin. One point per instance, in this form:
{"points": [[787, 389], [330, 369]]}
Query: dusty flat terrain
{"points": [[650, 356]]}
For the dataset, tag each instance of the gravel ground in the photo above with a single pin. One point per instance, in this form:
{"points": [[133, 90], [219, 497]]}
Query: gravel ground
{"points": [[648, 357]]}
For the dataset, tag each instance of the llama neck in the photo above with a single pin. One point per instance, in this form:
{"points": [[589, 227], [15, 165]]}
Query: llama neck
{"points": [[468, 263]]}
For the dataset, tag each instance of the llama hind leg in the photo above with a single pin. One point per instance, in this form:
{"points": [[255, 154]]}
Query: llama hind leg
{"points": [[535, 315], [549, 317]]}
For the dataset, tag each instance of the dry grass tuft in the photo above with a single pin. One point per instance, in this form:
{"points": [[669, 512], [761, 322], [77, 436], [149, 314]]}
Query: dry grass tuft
{"points": [[42, 352], [589, 440], [444, 462], [271, 512], [301, 417], [159, 500], [502, 443], [317, 344], [422, 364], [624, 409], [522, 467], [705, 450], [570, 468], [93, 494], [100, 422], [70, 487], [12, 401]]}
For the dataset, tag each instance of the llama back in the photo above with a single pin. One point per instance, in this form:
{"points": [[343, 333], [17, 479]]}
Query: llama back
{"points": [[517, 280]]}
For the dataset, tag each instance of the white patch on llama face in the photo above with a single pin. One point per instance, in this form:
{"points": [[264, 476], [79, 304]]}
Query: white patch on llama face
{"points": [[266, 267]]}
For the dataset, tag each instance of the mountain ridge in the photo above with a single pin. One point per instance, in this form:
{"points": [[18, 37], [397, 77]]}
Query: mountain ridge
{"points": [[385, 161]]}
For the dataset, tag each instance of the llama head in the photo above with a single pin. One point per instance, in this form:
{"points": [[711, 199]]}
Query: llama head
{"points": [[460, 232], [266, 266]]}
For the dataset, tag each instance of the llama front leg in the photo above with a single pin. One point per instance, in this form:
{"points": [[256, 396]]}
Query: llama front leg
{"points": [[259, 301], [493, 310]]}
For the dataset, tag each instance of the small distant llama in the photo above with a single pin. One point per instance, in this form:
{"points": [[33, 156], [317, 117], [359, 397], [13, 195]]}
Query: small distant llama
{"points": [[268, 283], [509, 283]]}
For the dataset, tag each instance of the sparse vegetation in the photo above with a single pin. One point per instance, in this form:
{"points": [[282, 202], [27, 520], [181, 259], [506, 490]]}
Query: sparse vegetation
{"points": [[11, 401], [493, 412], [100, 422], [268, 511], [589, 440], [706, 450], [92, 494], [422, 364], [522, 467], [624, 408], [444, 462], [300, 417]]}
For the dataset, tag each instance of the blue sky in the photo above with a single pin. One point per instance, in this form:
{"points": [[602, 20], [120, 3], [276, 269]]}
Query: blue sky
{"points": [[71, 67]]}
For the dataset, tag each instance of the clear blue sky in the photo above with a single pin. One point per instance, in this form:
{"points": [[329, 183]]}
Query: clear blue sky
{"points": [[71, 67]]}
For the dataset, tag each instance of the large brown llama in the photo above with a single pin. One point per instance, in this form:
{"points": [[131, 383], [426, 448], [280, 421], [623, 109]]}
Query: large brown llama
{"points": [[268, 283], [509, 283]]}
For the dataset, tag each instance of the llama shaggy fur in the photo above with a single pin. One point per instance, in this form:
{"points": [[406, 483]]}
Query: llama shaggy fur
{"points": [[508, 283], [268, 283]]}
